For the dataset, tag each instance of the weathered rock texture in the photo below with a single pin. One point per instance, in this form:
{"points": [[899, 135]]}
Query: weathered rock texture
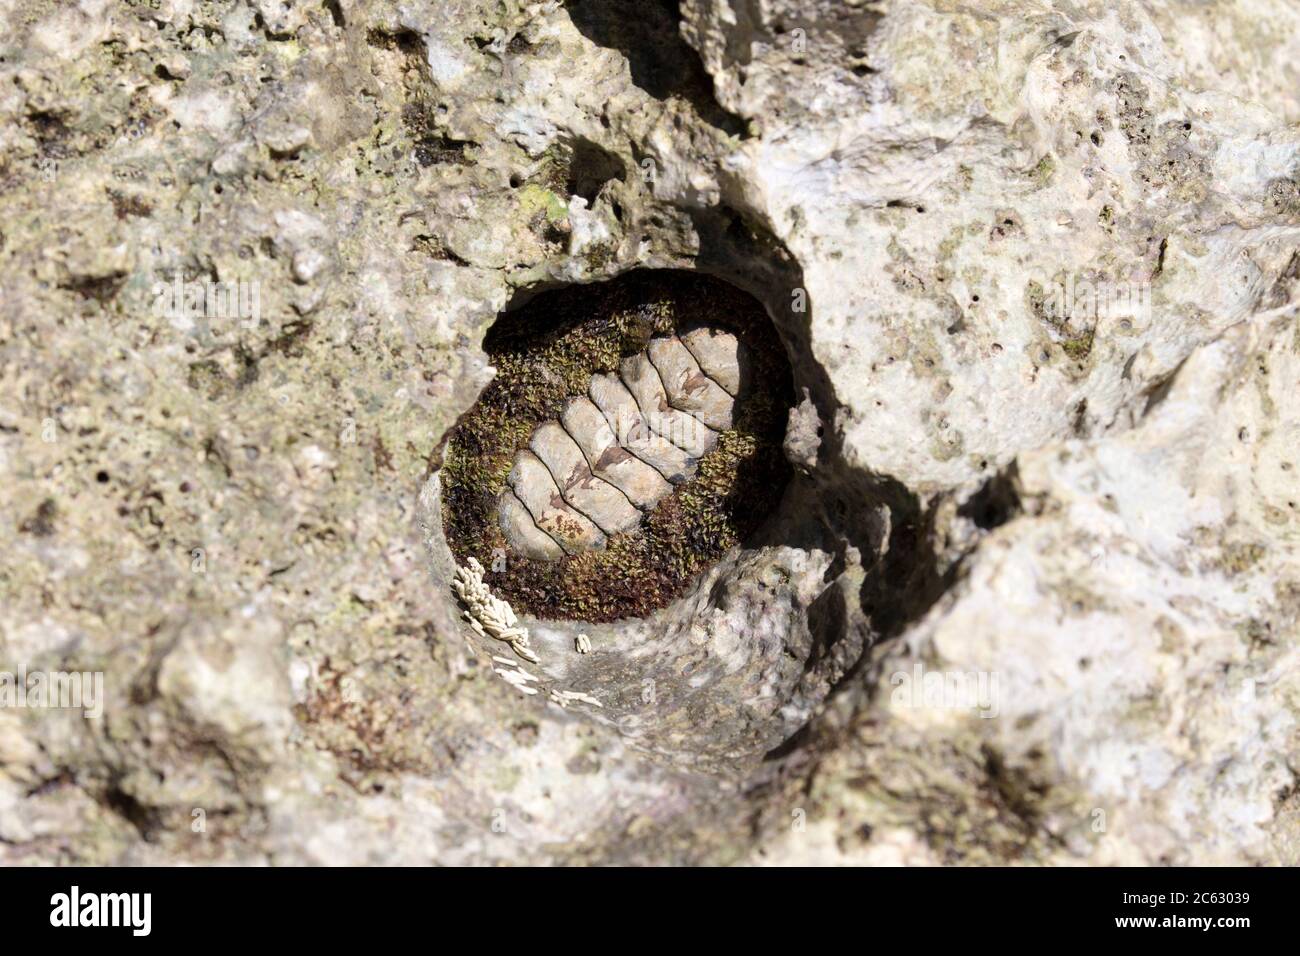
{"points": [[1083, 520]]}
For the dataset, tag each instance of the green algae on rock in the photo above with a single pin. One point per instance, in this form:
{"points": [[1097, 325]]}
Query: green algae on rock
{"points": [[546, 354]]}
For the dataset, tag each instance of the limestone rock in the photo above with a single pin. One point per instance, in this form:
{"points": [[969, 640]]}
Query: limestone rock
{"points": [[1036, 268]]}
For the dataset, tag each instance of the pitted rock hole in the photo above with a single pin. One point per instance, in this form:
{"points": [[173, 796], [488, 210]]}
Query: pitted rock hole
{"points": [[633, 433]]}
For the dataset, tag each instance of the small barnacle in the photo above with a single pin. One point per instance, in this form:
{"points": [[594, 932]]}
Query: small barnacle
{"points": [[566, 697], [488, 615]]}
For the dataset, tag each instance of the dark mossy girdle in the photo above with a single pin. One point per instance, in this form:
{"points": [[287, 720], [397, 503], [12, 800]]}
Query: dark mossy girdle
{"points": [[546, 352]]}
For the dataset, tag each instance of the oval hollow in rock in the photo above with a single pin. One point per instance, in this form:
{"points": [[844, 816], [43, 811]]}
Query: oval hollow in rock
{"points": [[622, 447]]}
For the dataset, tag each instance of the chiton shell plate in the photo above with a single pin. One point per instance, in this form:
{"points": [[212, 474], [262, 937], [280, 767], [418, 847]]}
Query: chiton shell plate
{"points": [[614, 453]]}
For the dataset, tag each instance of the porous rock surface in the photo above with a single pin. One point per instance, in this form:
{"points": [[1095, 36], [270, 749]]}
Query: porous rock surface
{"points": [[234, 518]]}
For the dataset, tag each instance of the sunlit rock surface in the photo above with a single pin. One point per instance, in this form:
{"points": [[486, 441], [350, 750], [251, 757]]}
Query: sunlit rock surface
{"points": [[1036, 266]]}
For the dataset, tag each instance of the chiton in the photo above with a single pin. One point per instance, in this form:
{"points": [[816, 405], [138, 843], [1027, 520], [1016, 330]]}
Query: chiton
{"points": [[615, 452], [631, 436]]}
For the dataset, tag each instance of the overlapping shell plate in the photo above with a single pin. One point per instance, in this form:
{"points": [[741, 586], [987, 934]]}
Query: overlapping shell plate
{"points": [[614, 453], [632, 434]]}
